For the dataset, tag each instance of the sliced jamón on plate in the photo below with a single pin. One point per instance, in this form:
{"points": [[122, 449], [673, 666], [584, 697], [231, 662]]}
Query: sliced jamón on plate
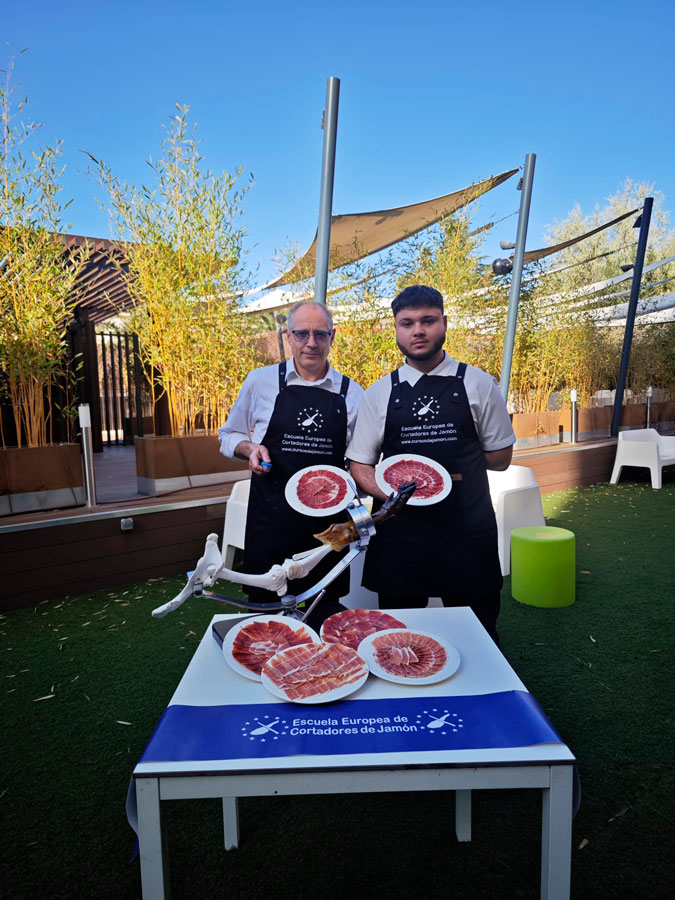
{"points": [[410, 656], [353, 625], [433, 483], [314, 673], [319, 490], [248, 646]]}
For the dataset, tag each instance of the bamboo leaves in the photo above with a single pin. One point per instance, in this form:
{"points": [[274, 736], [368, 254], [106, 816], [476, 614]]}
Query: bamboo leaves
{"points": [[36, 275], [185, 266]]}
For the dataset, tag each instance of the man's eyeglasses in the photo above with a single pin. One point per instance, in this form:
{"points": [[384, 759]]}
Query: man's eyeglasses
{"points": [[321, 337]]}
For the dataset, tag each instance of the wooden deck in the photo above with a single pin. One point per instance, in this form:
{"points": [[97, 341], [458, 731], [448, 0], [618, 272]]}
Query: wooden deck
{"points": [[64, 552]]}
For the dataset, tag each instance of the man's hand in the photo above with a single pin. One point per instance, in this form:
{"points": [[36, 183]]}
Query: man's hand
{"points": [[258, 457]]}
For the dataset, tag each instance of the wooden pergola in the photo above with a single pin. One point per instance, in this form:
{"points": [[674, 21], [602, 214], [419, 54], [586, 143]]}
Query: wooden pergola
{"points": [[100, 293], [100, 290]]}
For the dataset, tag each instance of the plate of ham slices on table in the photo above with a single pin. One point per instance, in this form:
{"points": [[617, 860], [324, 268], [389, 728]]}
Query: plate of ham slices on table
{"points": [[249, 645], [320, 490], [314, 673], [432, 480], [409, 656]]}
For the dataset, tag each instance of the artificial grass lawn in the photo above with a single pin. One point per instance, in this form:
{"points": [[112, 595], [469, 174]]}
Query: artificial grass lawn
{"points": [[603, 670]]}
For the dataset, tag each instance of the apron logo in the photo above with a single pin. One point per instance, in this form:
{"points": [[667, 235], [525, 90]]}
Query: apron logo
{"points": [[310, 418], [426, 407]]}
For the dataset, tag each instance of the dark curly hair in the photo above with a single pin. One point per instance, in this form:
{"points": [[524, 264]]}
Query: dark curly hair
{"points": [[417, 295]]}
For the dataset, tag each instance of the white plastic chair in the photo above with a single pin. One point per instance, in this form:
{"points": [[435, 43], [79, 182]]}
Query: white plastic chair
{"points": [[234, 530], [517, 502], [646, 448]]}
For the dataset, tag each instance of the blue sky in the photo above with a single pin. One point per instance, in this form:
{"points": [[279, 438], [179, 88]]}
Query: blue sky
{"points": [[433, 97]]}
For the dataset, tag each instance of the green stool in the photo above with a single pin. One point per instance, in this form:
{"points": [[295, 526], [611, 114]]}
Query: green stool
{"points": [[542, 565]]}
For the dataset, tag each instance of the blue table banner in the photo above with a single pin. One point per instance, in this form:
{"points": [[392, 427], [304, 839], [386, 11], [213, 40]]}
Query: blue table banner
{"points": [[262, 730]]}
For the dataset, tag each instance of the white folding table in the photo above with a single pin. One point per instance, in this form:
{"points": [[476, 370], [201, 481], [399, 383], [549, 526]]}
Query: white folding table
{"points": [[210, 682]]}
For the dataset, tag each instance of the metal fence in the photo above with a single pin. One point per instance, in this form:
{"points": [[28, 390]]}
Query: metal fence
{"points": [[124, 395]]}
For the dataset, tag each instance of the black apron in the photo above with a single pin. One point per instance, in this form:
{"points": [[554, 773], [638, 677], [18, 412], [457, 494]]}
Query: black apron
{"points": [[274, 530], [449, 548]]}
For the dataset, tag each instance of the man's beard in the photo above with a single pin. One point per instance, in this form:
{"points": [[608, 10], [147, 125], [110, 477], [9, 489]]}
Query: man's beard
{"points": [[423, 355]]}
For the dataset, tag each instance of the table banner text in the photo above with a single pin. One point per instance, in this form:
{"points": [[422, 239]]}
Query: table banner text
{"points": [[262, 730]]}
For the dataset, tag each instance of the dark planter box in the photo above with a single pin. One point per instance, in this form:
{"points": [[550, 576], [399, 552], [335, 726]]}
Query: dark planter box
{"points": [[165, 464], [38, 478]]}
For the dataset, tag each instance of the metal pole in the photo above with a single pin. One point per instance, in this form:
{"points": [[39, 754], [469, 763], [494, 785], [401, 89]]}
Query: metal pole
{"points": [[516, 277], [113, 389], [106, 407], [88, 454], [649, 406], [630, 315], [329, 125]]}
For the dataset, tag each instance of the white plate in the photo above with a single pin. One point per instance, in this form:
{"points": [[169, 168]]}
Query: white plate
{"points": [[367, 651], [337, 694], [414, 457], [228, 642], [294, 501]]}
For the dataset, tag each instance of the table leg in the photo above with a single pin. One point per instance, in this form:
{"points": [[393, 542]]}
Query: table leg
{"points": [[152, 841], [230, 822], [463, 815], [556, 835]]}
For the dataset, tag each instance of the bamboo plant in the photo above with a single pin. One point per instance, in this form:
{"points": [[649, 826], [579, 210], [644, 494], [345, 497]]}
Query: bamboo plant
{"points": [[184, 271], [37, 278]]}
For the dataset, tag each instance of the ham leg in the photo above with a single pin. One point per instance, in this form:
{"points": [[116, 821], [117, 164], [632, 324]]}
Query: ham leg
{"points": [[338, 536]]}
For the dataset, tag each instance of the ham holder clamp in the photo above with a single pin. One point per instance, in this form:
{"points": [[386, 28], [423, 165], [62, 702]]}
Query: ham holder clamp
{"points": [[357, 531]]}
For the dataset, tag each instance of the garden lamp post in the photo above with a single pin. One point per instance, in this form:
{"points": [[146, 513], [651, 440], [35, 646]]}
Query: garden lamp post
{"points": [[281, 320], [575, 413], [88, 453]]}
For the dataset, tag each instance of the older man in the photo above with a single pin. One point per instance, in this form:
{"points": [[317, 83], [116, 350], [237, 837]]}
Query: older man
{"points": [[451, 413], [289, 416]]}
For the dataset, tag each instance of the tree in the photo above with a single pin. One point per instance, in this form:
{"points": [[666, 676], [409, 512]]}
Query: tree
{"points": [[585, 355], [185, 268], [37, 276], [600, 256]]}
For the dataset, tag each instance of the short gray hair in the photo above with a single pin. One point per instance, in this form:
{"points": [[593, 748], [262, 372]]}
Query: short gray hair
{"points": [[292, 311]]}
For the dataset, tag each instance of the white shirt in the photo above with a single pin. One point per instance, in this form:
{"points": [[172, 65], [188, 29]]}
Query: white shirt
{"points": [[252, 411], [490, 416]]}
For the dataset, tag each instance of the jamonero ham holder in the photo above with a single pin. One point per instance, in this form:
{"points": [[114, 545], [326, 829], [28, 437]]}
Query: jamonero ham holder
{"points": [[357, 531]]}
